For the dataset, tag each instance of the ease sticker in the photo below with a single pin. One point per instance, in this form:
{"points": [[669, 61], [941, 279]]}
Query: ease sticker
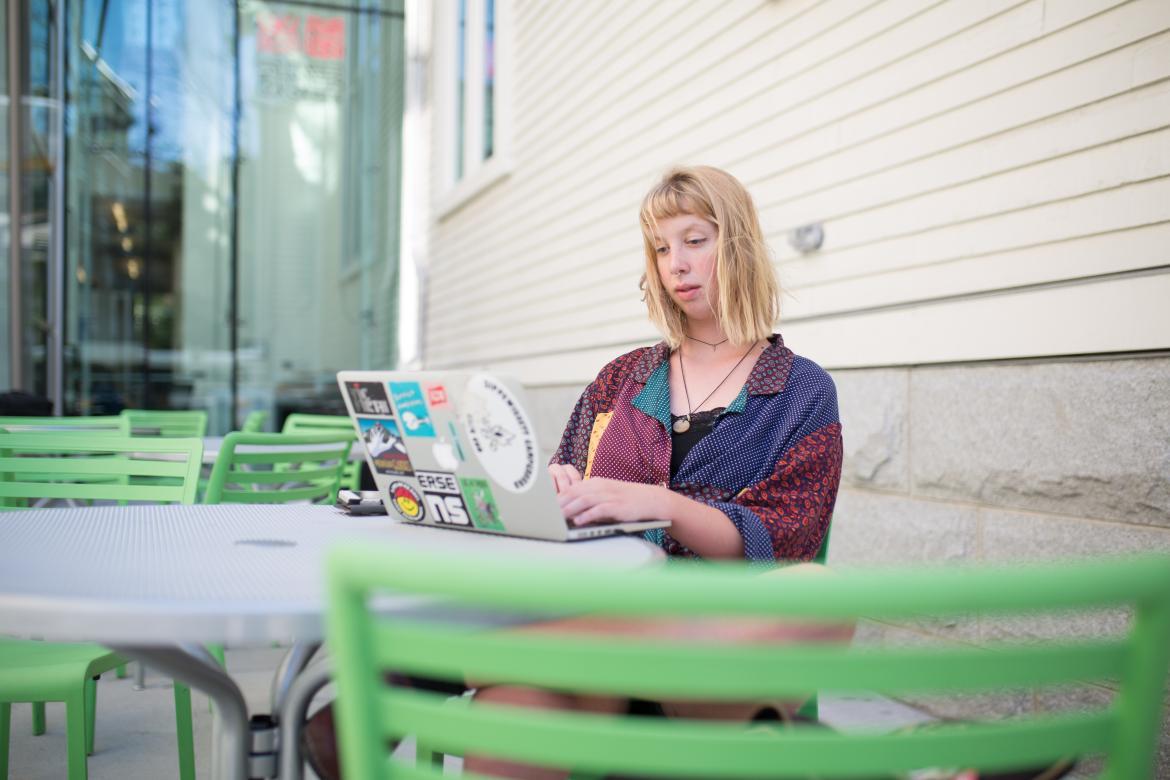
{"points": [[477, 493], [441, 491], [406, 501]]}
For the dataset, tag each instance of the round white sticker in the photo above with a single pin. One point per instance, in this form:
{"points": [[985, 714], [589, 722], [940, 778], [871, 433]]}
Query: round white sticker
{"points": [[501, 434]]}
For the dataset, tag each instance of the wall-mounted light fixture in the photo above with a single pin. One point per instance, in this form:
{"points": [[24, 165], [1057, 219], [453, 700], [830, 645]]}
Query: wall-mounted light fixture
{"points": [[807, 238]]}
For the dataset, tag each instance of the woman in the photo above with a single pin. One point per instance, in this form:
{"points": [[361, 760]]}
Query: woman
{"points": [[720, 429]]}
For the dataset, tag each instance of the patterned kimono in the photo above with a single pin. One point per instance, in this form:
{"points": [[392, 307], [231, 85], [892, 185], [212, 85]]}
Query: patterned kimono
{"points": [[772, 463]]}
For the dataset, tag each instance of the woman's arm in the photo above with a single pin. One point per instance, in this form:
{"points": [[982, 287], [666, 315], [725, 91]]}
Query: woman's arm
{"points": [[702, 528]]}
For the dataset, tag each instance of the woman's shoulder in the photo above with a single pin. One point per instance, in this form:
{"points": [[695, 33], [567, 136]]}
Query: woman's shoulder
{"points": [[638, 363]]}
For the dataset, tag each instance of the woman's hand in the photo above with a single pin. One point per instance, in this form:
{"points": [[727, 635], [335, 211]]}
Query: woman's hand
{"points": [[563, 475], [600, 500]]}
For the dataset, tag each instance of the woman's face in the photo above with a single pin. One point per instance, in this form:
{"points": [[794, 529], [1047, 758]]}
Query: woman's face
{"points": [[685, 246]]}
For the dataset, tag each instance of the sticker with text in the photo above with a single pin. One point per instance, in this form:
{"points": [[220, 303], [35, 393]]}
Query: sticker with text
{"points": [[406, 501], [412, 409], [501, 435], [437, 396], [368, 398], [477, 495], [385, 446], [443, 498]]}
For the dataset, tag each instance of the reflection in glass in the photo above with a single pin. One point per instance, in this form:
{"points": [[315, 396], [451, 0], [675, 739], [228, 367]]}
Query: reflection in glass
{"points": [[489, 78]]}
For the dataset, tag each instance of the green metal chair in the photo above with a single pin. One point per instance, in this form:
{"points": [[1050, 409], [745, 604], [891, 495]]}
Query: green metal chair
{"points": [[90, 466], [351, 478], [371, 711], [112, 424], [303, 467], [290, 467], [169, 423], [254, 422]]}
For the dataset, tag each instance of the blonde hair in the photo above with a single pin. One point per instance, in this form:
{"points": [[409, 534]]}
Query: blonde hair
{"points": [[748, 303]]}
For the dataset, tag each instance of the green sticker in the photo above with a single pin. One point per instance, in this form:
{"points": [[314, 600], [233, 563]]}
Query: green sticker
{"points": [[477, 496]]}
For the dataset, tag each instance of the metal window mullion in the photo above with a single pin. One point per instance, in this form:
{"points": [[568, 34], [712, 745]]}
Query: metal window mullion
{"points": [[15, 174], [56, 280]]}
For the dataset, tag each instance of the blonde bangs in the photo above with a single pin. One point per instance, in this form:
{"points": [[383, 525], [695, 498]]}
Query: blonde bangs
{"points": [[749, 295]]}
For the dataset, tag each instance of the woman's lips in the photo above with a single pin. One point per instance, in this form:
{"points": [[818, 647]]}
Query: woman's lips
{"points": [[687, 292]]}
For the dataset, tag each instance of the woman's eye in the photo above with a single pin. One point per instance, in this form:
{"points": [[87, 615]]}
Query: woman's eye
{"points": [[661, 250], [696, 241]]}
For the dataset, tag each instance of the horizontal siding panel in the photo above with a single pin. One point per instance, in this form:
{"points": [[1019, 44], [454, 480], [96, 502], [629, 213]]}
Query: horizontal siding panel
{"points": [[1077, 175], [572, 319], [632, 140], [1105, 253], [1109, 316], [951, 149], [1075, 109], [595, 290], [1022, 325], [538, 237]]}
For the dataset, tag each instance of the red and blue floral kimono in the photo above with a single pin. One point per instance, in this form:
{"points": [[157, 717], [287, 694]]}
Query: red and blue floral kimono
{"points": [[772, 463]]}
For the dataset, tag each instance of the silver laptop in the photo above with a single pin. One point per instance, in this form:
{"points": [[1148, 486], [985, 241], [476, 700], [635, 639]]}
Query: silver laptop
{"points": [[456, 449]]}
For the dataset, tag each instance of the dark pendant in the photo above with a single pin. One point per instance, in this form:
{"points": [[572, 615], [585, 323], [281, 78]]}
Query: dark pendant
{"points": [[682, 425]]}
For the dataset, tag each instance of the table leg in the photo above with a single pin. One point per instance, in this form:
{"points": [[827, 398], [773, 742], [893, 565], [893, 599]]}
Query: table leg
{"points": [[295, 707], [187, 664], [294, 662]]}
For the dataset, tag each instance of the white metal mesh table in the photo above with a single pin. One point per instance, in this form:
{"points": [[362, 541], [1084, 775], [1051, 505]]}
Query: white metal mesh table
{"points": [[157, 582]]}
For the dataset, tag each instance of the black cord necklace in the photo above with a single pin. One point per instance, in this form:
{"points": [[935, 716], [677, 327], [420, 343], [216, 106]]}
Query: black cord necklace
{"points": [[708, 343], [683, 424]]}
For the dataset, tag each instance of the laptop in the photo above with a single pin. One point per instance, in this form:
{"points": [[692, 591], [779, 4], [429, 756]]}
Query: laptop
{"points": [[457, 449]]}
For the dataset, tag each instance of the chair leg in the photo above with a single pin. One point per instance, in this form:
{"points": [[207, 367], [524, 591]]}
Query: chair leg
{"points": [[90, 713], [5, 726], [38, 718], [75, 736], [184, 731], [122, 672]]}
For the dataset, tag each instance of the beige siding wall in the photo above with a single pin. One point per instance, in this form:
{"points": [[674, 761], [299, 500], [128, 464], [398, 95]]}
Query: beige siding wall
{"points": [[993, 177]]}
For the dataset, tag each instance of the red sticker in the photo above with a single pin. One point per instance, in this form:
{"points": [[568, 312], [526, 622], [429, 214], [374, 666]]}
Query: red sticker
{"points": [[437, 395]]}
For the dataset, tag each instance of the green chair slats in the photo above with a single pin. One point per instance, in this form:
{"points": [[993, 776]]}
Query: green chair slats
{"points": [[351, 477], [87, 466], [254, 422], [169, 423], [371, 711], [112, 423], [278, 468]]}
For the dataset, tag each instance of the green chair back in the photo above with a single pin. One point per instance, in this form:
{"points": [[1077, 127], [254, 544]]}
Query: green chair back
{"points": [[112, 424], [95, 466], [371, 710], [351, 477], [279, 468], [86, 465], [254, 422], [316, 423], [170, 423]]}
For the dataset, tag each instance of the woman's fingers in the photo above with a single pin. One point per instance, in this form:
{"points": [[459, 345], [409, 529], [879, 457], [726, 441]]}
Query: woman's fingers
{"points": [[563, 475]]}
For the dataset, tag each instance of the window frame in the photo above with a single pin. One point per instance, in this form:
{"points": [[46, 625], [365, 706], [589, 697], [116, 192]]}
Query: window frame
{"points": [[478, 174]]}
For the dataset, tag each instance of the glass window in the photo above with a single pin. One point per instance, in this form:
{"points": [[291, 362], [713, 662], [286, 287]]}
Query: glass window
{"points": [[225, 259]]}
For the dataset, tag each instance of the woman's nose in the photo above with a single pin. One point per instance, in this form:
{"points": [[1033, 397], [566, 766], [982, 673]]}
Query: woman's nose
{"points": [[678, 262]]}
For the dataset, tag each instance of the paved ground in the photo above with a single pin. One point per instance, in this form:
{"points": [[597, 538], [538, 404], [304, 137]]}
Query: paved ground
{"points": [[136, 729]]}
